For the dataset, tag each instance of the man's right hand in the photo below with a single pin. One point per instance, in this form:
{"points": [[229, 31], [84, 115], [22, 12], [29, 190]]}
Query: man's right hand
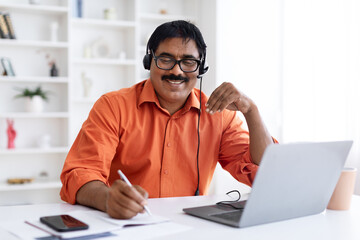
{"points": [[119, 201], [124, 201]]}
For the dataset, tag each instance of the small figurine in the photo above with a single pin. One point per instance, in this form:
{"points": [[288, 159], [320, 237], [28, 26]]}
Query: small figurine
{"points": [[11, 134], [54, 71], [87, 84]]}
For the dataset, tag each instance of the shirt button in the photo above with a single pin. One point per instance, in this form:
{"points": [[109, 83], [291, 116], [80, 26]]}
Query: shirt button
{"points": [[166, 172], [169, 144]]}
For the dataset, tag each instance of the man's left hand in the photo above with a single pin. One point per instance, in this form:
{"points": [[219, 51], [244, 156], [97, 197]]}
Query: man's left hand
{"points": [[227, 96]]}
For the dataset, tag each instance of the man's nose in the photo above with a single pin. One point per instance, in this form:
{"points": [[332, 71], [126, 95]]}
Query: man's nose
{"points": [[176, 70]]}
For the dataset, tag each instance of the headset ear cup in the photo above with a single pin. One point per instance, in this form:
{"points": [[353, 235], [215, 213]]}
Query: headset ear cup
{"points": [[147, 61], [203, 68]]}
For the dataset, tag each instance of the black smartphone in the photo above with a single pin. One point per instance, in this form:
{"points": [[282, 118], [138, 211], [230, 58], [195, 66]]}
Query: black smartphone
{"points": [[64, 223]]}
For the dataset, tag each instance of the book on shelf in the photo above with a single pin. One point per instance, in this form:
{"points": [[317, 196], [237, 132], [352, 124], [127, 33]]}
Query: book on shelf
{"points": [[4, 32], [77, 9], [6, 26], [9, 26]]}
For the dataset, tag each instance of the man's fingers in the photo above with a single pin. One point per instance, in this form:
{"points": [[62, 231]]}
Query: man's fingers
{"points": [[121, 213], [133, 193], [130, 198], [215, 96], [231, 98], [222, 97], [142, 191], [124, 201]]}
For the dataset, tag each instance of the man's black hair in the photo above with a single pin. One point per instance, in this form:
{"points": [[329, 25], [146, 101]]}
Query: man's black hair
{"points": [[177, 29]]}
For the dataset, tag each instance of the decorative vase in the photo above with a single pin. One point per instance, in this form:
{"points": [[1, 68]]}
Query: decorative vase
{"points": [[110, 14], [34, 1], [44, 141], [34, 104], [87, 84], [54, 71], [54, 26]]}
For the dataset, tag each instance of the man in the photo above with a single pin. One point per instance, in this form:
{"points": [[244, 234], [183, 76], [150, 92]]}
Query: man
{"points": [[151, 132]]}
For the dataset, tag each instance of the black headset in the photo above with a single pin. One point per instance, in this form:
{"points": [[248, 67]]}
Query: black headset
{"points": [[203, 68]]}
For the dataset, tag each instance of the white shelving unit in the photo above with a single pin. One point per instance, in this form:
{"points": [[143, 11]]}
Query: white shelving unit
{"points": [[31, 186], [29, 79], [105, 54], [105, 61], [34, 150], [102, 23], [32, 43], [28, 56], [162, 17]]}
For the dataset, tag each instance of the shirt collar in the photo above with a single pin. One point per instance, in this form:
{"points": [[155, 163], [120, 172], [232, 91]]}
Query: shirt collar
{"points": [[148, 94]]}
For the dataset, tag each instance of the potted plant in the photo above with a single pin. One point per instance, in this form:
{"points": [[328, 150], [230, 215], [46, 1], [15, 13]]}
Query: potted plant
{"points": [[34, 98]]}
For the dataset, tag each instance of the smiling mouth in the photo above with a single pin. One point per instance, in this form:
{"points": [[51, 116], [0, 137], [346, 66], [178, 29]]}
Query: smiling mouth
{"points": [[173, 79], [178, 82]]}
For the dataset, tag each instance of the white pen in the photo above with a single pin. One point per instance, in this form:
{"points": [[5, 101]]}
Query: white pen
{"points": [[123, 177]]}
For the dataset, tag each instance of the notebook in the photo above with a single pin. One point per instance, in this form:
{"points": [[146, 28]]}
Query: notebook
{"points": [[293, 180]]}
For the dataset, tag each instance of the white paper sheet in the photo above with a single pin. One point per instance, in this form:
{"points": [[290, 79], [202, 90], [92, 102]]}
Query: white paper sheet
{"points": [[148, 232], [140, 219], [99, 222], [21, 230]]}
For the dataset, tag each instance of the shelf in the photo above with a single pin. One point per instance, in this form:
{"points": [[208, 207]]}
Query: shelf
{"points": [[164, 17], [36, 9], [32, 43], [30, 186], [88, 22], [34, 79], [34, 115], [105, 61], [34, 150], [85, 100]]}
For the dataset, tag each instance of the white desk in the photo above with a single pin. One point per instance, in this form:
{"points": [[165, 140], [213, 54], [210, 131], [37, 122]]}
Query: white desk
{"points": [[329, 225]]}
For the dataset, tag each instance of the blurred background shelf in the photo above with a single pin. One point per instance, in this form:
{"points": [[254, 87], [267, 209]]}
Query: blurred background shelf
{"points": [[40, 79], [164, 17], [30, 186], [35, 9], [33, 150], [81, 22], [32, 43], [34, 115], [104, 61], [94, 54]]}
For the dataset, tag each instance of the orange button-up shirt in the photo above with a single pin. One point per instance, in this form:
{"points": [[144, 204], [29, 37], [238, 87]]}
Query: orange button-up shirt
{"points": [[129, 130]]}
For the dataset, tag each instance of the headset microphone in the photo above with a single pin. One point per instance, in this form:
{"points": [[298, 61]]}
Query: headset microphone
{"points": [[205, 69]]}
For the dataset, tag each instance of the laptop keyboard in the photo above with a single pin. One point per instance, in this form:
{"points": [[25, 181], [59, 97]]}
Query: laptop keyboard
{"points": [[231, 216]]}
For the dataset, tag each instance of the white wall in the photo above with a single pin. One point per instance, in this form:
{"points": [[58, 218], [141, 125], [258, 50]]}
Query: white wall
{"points": [[248, 54], [321, 73], [300, 62], [207, 25]]}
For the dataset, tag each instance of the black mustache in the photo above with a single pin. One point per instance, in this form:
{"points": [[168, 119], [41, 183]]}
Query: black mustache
{"points": [[174, 77]]}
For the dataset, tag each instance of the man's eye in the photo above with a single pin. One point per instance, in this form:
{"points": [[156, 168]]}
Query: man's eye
{"points": [[166, 60], [189, 62]]}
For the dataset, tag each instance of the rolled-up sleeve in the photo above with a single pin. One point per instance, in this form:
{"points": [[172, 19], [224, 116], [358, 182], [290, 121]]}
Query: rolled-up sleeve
{"points": [[91, 154], [234, 155]]}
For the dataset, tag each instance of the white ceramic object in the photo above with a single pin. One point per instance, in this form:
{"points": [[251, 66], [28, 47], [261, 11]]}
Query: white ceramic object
{"points": [[34, 104], [34, 1]]}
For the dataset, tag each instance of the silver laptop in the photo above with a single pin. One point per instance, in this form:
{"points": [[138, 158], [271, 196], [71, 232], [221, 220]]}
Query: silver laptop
{"points": [[293, 180]]}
